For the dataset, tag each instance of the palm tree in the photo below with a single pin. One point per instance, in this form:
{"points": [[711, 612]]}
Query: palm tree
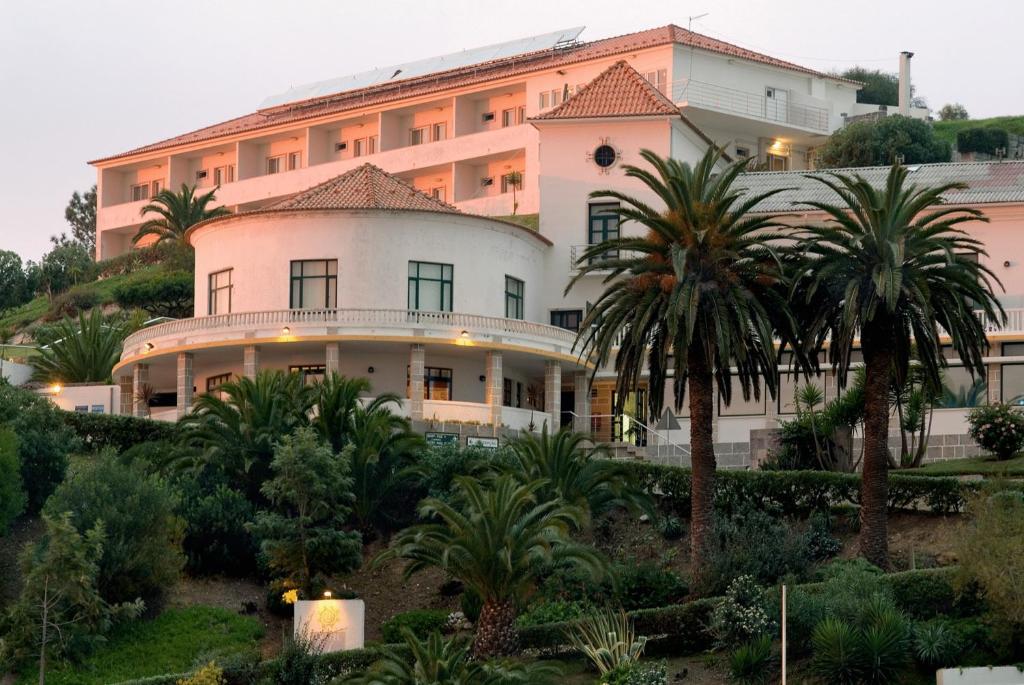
{"points": [[436, 661], [892, 268], [178, 212], [700, 291], [83, 351], [493, 539], [337, 399], [238, 434], [576, 474]]}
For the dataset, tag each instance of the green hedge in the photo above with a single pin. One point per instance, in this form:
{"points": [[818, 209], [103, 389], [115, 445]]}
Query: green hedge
{"points": [[800, 492], [982, 139], [120, 432]]}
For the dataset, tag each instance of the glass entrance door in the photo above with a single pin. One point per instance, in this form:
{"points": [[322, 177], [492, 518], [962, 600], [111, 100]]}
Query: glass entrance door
{"points": [[630, 425]]}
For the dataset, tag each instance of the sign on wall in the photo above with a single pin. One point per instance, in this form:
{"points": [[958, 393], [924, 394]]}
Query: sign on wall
{"points": [[485, 443], [435, 439]]}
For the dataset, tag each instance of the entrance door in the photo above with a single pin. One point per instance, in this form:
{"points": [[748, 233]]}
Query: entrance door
{"points": [[630, 425]]}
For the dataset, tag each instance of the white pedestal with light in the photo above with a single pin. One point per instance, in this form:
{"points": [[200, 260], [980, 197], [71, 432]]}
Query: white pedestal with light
{"points": [[336, 623]]}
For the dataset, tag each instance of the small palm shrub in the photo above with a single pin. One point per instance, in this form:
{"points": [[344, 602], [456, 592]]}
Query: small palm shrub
{"points": [[937, 645], [752, 663], [997, 428], [875, 648], [608, 639], [742, 615]]}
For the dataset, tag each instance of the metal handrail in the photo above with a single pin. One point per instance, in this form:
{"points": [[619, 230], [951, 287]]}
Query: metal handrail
{"points": [[342, 317], [756, 105], [663, 439]]}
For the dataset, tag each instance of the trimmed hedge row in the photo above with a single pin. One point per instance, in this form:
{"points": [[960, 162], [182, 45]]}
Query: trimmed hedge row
{"points": [[800, 492], [98, 431]]}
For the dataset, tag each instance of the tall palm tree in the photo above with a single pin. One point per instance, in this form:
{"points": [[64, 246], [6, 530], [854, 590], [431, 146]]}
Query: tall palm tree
{"points": [[178, 212], [493, 538], [238, 434], [82, 351], [891, 267], [577, 474], [700, 293]]}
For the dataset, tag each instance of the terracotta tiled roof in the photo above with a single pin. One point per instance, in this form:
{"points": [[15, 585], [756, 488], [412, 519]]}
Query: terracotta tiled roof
{"points": [[618, 91], [464, 76], [365, 187], [987, 183]]}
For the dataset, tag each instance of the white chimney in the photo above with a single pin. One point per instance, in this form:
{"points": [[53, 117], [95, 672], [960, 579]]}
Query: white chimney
{"points": [[905, 82]]}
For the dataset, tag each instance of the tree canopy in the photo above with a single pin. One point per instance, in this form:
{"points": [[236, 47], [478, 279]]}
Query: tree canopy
{"points": [[877, 143], [81, 215]]}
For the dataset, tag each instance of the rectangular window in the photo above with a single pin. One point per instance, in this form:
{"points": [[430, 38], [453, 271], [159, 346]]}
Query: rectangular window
{"points": [[224, 174], [155, 187], [418, 136], [508, 117], [510, 180], [314, 284], [437, 383], [514, 297], [97, 409], [213, 383], [657, 78], [294, 161], [357, 147], [556, 97], [140, 192], [439, 131], [220, 292], [521, 114], [311, 373], [602, 225], [506, 392], [430, 286], [543, 100], [569, 319], [438, 193], [275, 164], [371, 145]]}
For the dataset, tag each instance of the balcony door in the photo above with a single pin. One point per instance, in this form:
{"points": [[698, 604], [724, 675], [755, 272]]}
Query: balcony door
{"points": [[776, 104]]}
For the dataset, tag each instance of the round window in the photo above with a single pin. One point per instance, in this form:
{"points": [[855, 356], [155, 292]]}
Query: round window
{"points": [[604, 156]]}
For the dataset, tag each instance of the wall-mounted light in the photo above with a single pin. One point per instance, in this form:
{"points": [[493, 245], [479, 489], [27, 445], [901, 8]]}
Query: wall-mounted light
{"points": [[464, 335], [327, 594], [149, 346], [483, 378], [286, 330], [370, 369], [55, 388], [1007, 263]]}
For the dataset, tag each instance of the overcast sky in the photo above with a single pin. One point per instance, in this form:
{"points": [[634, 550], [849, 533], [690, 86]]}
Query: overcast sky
{"points": [[81, 80]]}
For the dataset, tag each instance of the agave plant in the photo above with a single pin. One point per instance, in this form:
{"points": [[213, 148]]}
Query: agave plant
{"points": [[608, 639], [752, 663], [83, 350], [437, 661]]}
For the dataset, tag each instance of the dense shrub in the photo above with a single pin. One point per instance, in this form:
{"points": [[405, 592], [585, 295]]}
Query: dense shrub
{"points": [[173, 256], [991, 552], [629, 585], [216, 539], [998, 428], [742, 614], [753, 662], [167, 293], [142, 550], [98, 431], [554, 611], [12, 495], [983, 139], [422, 622], [80, 298], [437, 468], [874, 647], [44, 442], [640, 673]]}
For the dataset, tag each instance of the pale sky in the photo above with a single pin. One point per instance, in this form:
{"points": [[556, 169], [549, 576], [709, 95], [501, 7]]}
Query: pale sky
{"points": [[81, 80]]}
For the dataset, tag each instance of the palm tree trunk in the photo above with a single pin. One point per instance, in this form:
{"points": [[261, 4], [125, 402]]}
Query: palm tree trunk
{"points": [[874, 491], [496, 629], [702, 456]]}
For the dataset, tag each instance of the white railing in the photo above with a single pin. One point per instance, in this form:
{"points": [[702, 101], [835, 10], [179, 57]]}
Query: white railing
{"points": [[755, 105], [352, 317], [576, 253], [652, 441]]}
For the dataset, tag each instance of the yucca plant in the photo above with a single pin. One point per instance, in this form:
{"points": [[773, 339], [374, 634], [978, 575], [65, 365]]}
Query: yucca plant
{"points": [[178, 212], [936, 645], [493, 537], [440, 661], [875, 647], [753, 663], [576, 473], [608, 639], [83, 350]]}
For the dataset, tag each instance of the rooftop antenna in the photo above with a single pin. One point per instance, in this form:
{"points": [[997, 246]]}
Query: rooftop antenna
{"points": [[689, 28]]}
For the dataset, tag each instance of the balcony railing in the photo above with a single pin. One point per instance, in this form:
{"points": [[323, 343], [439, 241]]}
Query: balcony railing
{"points": [[576, 253], [355, 318], [753, 105]]}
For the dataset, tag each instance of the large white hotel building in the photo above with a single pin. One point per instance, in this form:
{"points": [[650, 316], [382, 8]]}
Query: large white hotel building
{"points": [[417, 225]]}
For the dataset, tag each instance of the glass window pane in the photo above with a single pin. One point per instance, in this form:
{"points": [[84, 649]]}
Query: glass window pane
{"points": [[332, 293], [1013, 382], [430, 270], [790, 384], [332, 267], [413, 268], [313, 295], [430, 295], [296, 293], [314, 268], [448, 272], [296, 268], [412, 294], [960, 389], [739, 406]]}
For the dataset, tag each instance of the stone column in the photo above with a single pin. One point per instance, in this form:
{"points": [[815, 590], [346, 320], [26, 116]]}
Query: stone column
{"points": [[553, 394], [581, 390], [417, 369], [494, 386], [186, 383], [140, 379], [250, 361], [995, 383], [332, 360], [127, 385]]}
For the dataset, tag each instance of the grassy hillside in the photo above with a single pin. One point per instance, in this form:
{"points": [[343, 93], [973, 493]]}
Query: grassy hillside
{"points": [[946, 130]]}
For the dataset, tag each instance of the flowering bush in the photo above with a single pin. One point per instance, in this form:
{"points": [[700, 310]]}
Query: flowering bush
{"points": [[998, 428], [742, 614]]}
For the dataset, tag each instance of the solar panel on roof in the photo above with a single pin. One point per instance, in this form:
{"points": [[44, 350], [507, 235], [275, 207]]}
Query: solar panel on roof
{"points": [[455, 60]]}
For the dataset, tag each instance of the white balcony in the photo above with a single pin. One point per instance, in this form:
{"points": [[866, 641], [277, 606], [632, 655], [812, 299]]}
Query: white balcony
{"points": [[776, 110], [576, 253]]}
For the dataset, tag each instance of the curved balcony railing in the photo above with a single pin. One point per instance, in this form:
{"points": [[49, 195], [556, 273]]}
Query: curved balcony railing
{"points": [[456, 322]]}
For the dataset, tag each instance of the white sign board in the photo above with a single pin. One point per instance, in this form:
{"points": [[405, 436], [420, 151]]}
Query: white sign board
{"points": [[335, 624], [985, 675]]}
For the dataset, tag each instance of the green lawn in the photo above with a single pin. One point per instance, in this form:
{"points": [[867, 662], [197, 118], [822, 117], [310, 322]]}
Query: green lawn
{"points": [[170, 643], [946, 130], [981, 466]]}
